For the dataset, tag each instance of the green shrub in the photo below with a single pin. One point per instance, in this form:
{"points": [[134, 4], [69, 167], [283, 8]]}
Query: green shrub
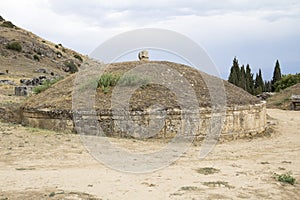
{"points": [[132, 80], [8, 24], [56, 46], [107, 80], [36, 57], [287, 81], [1, 18], [285, 178], [207, 170], [46, 84], [71, 66], [16, 46], [78, 57]]}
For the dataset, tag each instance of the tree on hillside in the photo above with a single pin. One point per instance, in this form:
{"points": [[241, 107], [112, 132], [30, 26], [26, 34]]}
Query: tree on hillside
{"points": [[276, 75], [242, 79], [234, 72], [268, 86], [249, 80], [259, 83]]}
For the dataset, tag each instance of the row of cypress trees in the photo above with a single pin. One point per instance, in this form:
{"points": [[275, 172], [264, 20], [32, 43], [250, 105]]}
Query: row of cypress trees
{"points": [[242, 77]]}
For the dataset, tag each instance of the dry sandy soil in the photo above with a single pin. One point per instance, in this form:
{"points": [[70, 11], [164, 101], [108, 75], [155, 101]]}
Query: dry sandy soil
{"points": [[39, 164]]}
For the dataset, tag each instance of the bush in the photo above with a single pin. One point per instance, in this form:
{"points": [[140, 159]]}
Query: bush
{"points": [[78, 57], [36, 57], [1, 18], [71, 66], [287, 81], [8, 24], [46, 84], [132, 80], [16, 46], [56, 46], [107, 80], [285, 178]]}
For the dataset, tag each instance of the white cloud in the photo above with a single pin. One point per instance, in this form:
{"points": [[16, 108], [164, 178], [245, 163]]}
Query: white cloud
{"points": [[225, 27]]}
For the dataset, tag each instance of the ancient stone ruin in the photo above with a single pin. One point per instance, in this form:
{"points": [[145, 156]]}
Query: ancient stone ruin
{"points": [[143, 55], [244, 114]]}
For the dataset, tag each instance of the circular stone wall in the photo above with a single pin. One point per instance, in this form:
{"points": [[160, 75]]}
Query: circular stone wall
{"points": [[52, 109]]}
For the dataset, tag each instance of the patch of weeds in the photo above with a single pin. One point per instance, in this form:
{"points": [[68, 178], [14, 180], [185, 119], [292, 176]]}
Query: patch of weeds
{"points": [[36, 57], [108, 80], [287, 162], [285, 178], [218, 183], [189, 188], [8, 24], [72, 68], [207, 170], [132, 80], [23, 168], [16, 46], [264, 163], [52, 194], [78, 57], [46, 84], [90, 84]]}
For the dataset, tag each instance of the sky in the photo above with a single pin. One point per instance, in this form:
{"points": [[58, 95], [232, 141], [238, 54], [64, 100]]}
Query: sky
{"points": [[257, 32]]}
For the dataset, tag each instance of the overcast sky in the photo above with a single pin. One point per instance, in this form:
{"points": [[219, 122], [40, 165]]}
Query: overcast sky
{"points": [[255, 31]]}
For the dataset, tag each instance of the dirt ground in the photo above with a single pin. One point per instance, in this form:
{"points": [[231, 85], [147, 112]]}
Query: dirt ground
{"points": [[40, 164]]}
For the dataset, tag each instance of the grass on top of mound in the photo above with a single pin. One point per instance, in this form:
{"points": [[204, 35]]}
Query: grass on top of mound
{"points": [[108, 80]]}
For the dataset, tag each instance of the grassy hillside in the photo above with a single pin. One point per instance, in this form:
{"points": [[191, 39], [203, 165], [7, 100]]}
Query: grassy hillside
{"points": [[281, 100], [22, 53]]}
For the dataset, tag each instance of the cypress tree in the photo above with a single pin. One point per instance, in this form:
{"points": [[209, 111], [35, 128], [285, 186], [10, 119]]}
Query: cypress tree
{"points": [[234, 75], [249, 80], [276, 75], [242, 80]]}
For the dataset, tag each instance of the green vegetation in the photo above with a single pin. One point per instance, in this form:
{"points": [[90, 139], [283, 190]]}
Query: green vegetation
{"points": [[16, 46], [285, 178], [287, 81], [108, 80], [23, 168], [52, 194], [218, 183], [36, 57], [71, 66], [56, 46], [46, 84], [1, 18], [207, 170], [245, 79], [78, 57], [132, 80], [8, 24], [189, 188]]}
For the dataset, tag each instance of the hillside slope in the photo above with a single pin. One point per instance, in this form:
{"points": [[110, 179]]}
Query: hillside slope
{"points": [[23, 53], [281, 100]]}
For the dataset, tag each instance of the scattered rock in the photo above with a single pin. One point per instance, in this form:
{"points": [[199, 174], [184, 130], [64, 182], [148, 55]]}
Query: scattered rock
{"points": [[8, 82], [23, 90], [41, 71]]}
